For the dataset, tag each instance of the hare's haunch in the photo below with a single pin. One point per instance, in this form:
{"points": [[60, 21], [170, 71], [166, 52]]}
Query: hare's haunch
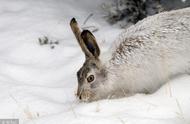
{"points": [[144, 57]]}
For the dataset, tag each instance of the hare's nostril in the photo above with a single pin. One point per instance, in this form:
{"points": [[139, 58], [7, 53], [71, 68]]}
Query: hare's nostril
{"points": [[80, 97]]}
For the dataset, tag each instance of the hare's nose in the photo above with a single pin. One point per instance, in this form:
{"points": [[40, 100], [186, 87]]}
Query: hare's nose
{"points": [[79, 95]]}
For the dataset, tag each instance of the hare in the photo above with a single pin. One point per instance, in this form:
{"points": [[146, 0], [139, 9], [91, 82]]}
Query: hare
{"points": [[144, 57]]}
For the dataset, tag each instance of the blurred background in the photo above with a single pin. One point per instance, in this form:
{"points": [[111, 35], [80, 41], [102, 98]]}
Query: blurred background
{"points": [[127, 12]]}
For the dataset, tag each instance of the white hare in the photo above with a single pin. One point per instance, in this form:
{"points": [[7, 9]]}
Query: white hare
{"points": [[144, 57]]}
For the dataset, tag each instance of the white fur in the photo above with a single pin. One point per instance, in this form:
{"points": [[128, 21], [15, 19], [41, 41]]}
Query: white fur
{"points": [[162, 53]]}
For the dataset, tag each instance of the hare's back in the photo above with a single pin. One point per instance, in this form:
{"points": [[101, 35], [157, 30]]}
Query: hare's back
{"points": [[173, 24], [168, 31]]}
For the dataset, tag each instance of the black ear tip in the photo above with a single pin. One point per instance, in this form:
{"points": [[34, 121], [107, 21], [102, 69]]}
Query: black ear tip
{"points": [[85, 33], [73, 20]]}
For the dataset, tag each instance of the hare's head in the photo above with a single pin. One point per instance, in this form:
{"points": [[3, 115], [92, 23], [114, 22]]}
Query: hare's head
{"points": [[92, 74]]}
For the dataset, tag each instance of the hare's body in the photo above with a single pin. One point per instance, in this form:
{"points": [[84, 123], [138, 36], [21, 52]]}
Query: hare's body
{"points": [[151, 52], [144, 57]]}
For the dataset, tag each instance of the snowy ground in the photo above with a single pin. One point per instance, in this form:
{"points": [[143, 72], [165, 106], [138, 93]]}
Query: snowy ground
{"points": [[37, 83]]}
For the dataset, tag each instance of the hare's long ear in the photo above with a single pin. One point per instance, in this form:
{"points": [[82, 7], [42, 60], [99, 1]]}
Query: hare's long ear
{"points": [[90, 43], [77, 33]]}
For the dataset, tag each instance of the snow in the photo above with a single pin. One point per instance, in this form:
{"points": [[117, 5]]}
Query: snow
{"points": [[38, 84]]}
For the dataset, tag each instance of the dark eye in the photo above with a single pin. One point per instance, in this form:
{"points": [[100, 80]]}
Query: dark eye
{"points": [[90, 78]]}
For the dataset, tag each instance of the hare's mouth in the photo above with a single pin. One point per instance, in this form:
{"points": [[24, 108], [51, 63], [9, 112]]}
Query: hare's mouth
{"points": [[86, 96]]}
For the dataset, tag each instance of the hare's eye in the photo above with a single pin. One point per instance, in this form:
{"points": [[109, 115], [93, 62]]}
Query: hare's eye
{"points": [[90, 78]]}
